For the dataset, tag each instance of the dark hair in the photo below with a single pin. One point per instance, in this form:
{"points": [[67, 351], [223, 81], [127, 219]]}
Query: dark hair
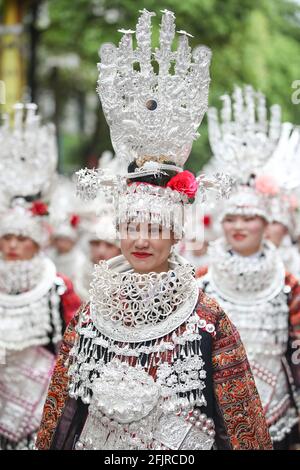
{"points": [[157, 180], [251, 180], [29, 197]]}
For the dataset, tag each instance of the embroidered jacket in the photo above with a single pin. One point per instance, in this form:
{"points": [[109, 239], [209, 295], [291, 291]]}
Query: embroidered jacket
{"points": [[232, 399]]}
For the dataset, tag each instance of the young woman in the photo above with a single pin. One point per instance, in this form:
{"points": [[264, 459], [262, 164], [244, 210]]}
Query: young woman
{"points": [[156, 358], [36, 305], [100, 244], [246, 275], [280, 178], [151, 362], [65, 250]]}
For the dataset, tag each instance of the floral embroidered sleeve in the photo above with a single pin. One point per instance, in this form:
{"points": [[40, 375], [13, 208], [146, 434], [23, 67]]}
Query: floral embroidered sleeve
{"points": [[238, 406], [294, 305], [58, 388], [293, 355]]}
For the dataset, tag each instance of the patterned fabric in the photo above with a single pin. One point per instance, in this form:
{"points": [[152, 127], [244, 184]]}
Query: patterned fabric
{"points": [[294, 304], [294, 335], [69, 304], [58, 389], [294, 319], [235, 391], [291, 364]]}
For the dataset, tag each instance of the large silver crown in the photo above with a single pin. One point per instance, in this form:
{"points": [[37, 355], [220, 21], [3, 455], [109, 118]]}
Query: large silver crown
{"points": [[154, 114], [28, 153], [282, 176], [284, 165], [243, 138]]}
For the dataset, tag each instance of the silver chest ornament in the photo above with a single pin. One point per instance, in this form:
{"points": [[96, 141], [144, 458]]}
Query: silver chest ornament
{"points": [[128, 411]]}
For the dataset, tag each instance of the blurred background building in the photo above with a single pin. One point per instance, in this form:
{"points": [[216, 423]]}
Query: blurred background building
{"points": [[49, 51]]}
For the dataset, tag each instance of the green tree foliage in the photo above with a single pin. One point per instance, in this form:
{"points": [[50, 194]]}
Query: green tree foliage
{"points": [[253, 41]]}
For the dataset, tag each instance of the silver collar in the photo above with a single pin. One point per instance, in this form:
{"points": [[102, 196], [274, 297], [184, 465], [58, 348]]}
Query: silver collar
{"points": [[242, 279], [127, 306], [17, 277]]}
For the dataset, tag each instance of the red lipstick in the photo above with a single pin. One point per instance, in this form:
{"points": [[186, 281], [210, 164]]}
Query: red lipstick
{"points": [[141, 255], [239, 236]]}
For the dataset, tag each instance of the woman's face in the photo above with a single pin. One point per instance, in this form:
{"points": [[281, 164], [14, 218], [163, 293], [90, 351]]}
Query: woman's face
{"points": [[63, 245], [244, 233], [146, 246], [275, 232], [101, 250], [18, 248], [199, 248]]}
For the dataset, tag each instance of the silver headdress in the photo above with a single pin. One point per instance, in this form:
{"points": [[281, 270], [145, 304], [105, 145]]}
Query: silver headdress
{"points": [[153, 114], [243, 139], [279, 179], [66, 227], [28, 153], [20, 220], [64, 209], [284, 165], [153, 119], [97, 215], [28, 158]]}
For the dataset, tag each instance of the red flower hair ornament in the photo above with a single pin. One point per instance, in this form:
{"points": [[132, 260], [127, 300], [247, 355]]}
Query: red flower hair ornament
{"points": [[39, 208], [206, 220], [184, 182], [266, 184], [74, 220]]}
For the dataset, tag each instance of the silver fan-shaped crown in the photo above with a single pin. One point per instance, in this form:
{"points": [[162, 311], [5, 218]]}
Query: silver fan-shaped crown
{"points": [[284, 165], [283, 169], [243, 138], [154, 114], [28, 153]]}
